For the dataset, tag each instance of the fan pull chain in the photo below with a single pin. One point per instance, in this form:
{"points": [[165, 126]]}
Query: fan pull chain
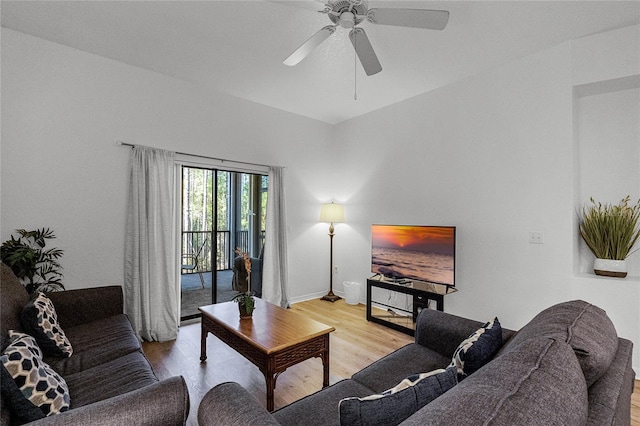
{"points": [[355, 76]]}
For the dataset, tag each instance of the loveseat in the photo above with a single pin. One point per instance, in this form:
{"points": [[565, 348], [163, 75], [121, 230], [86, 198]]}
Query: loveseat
{"points": [[109, 379], [567, 366]]}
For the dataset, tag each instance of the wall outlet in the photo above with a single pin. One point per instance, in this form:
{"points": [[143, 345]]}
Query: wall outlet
{"points": [[536, 238]]}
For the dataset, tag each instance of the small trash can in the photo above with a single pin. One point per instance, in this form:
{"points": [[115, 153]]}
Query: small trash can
{"points": [[351, 292]]}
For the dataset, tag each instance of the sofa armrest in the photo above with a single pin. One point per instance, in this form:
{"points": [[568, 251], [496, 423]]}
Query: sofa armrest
{"points": [[610, 395], [86, 305], [163, 403], [230, 404]]}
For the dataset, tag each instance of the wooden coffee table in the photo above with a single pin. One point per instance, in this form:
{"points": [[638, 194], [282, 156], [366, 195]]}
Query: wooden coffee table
{"points": [[274, 339]]}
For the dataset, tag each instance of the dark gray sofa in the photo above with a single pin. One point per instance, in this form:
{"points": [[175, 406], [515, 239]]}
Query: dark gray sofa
{"points": [[110, 380], [567, 366]]}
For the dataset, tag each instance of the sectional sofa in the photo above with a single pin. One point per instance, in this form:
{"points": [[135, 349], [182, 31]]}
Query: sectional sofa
{"points": [[567, 366]]}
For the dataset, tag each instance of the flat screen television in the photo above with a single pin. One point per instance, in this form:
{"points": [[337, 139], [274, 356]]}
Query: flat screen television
{"points": [[422, 253]]}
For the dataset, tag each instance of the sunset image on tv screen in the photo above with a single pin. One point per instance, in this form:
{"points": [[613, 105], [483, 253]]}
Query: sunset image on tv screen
{"points": [[423, 253]]}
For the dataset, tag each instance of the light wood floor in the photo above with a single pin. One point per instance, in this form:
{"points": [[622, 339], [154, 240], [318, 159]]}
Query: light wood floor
{"points": [[355, 344]]}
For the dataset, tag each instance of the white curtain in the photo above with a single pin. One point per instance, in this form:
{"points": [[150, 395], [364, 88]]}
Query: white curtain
{"points": [[151, 298], [275, 273]]}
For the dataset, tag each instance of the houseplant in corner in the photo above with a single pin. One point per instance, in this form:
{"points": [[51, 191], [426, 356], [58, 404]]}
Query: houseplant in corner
{"points": [[610, 231], [38, 268], [246, 304]]}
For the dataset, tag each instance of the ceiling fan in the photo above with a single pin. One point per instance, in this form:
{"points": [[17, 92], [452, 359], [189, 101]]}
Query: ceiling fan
{"points": [[350, 13]]}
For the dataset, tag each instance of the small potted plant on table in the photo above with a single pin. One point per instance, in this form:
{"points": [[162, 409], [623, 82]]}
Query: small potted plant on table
{"points": [[245, 300], [246, 304], [610, 232]]}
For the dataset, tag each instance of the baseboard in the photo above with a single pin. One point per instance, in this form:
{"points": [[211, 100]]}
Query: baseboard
{"points": [[312, 296]]}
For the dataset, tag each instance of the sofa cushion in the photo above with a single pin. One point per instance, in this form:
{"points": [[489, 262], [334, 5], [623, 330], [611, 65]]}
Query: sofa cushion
{"points": [[478, 349], [391, 369], [39, 319], [585, 327], [538, 382], [122, 375], [96, 343], [29, 383], [320, 407], [14, 297], [14, 403], [394, 405]]}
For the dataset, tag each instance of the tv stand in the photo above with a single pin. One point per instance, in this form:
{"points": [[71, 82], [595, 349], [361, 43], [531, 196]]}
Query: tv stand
{"points": [[401, 281], [422, 293]]}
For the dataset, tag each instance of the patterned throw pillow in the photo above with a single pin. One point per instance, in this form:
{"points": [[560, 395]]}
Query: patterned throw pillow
{"points": [[478, 349], [39, 319], [395, 405], [29, 384]]}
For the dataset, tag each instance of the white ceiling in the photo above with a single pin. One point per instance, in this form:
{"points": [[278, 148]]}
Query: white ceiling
{"points": [[237, 47]]}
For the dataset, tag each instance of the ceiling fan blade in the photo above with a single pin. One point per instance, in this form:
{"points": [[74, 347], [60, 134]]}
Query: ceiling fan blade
{"points": [[365, 52], [308, 46], [416, 18]]}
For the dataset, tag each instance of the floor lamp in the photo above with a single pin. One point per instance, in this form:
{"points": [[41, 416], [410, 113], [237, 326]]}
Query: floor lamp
{"points": [[331, 213]]}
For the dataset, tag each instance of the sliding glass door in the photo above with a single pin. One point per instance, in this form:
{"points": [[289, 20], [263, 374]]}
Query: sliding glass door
{"points": [[221, 211]]}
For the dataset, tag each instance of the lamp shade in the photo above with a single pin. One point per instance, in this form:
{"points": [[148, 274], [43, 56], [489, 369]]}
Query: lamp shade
{"points": [[332, 213]]}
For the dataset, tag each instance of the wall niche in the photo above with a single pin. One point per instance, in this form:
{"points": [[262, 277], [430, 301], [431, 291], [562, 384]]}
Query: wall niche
{"points": [[607, 133]]}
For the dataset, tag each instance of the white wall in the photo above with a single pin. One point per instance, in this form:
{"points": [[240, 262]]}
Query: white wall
{"points": [[606, 56], [63, 109], [495, 156], [490, 155]]}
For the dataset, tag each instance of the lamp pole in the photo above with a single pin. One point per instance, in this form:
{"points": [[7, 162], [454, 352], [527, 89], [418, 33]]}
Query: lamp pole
{"points": [[330, 296], [331, 213]]}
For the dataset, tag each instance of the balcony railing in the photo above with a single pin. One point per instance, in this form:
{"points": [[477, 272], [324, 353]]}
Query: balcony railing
{"points": [[193, 240]]}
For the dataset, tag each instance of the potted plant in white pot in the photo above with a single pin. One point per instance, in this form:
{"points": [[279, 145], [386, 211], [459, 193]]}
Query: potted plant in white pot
{"points": [[610, 231]]}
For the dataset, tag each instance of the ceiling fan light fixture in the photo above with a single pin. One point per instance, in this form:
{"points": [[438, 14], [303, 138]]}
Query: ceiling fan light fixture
{"points": [[347, 20]]}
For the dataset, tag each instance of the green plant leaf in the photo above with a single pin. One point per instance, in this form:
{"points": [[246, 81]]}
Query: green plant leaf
{"points": [[28, 259], [610, 231]]}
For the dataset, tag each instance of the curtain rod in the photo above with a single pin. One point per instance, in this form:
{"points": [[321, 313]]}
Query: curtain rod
{"points": [[121, 143]]}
